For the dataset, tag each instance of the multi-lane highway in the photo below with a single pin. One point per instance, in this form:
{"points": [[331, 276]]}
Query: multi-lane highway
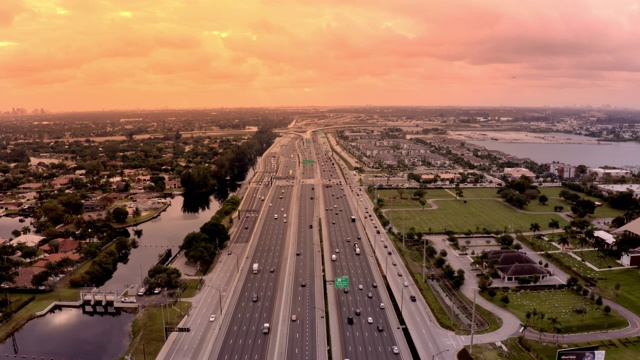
{"points": [[366, 331]]}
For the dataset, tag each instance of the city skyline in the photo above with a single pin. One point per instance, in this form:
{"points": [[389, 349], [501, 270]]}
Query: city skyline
{"points": [[77, 55]]}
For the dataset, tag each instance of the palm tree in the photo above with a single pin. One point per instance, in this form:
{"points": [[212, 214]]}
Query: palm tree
{"points": [[582, 240], [563, 240], [535, 227], [26, 230], [554, 224]]}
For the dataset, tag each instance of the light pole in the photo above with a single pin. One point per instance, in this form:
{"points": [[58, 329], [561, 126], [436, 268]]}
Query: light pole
{"points": [[219, 296], [402, 296], [473, 322], [434, 356], [424, 255]]}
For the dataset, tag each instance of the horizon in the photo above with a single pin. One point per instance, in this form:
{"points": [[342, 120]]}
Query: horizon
{"points": [[76, 56]]}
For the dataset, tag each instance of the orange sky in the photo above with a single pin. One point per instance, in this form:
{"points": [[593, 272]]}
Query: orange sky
{"points": [[99, 54]]}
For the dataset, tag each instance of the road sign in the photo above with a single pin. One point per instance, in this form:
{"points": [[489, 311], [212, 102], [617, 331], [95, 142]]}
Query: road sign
{"points": [[342, 282], [178, 329]]}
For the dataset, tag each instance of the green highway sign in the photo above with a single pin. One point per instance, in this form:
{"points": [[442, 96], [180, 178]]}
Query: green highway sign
{"points": [[342, 282]]}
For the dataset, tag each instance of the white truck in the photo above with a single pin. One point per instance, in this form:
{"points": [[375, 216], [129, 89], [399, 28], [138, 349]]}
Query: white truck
{"points": [[255, 268]]}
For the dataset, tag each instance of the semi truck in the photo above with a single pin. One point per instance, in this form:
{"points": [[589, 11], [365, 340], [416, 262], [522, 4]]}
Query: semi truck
{"points": [[255, 268]]}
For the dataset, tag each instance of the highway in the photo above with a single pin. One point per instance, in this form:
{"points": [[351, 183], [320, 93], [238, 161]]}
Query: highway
{"points": [[359, 338], [254, 306]]}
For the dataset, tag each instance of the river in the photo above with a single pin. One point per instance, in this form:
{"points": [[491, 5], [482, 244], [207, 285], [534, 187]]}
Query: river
{"points": [[164, 232], [592, 155]]}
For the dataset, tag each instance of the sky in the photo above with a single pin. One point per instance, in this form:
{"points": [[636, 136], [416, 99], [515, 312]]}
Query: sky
{"points": [[74, 55]]}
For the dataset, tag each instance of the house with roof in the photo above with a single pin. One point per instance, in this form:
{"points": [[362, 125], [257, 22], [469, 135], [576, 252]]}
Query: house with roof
{"points": [[25, 274], [65, 246], [632, 258], [512, 265], [28, 239], [631, 228]]}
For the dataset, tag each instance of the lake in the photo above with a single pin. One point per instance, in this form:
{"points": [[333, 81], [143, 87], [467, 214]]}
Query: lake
{"points": [[69, 334], [592, 155]]}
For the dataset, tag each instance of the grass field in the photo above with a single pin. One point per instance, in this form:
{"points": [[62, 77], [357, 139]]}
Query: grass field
{"points": [[629, 294], [615, 349], [576, 265], [536, 244], [147, 332], [491, 351], [605, 211], [474, 215], [192, 288], [560, 304], [597, 259]]}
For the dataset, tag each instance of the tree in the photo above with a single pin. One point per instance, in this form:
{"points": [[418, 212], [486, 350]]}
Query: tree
{"points": [[420, 193], [543, 199], [607, 309], [54, 245], [505, 299], [40, 278], [563, 240], [136, 212], [583, 207], [617, 288], [535, 227], [422, 202], [554, 224], [120, 215]]}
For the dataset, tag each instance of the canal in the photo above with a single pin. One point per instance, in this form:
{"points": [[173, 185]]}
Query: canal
{"points": [[70, 334], [164, 232]]}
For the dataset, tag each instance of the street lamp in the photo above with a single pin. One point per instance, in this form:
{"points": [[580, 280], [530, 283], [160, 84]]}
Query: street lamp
{"points": [[219, 296], [434, 356]]}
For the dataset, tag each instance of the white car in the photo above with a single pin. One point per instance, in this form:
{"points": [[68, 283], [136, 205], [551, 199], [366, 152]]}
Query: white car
{"points": [[370, 320], [406, 283], [395, 350], [360, 287], [381, 305], [212, 318]]}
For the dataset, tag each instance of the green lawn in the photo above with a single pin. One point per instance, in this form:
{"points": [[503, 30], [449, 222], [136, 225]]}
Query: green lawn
{"points": [[605, 211], [148, 335], [597, 259], [568, 263], [615, 349], [192, 288], [392, 199], [559, 303], [629, 294], [536, 244], [473, 215], [469, 193]]}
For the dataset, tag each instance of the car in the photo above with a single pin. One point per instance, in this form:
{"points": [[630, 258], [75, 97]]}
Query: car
{"points": [[269, 204], [212, 318], [346, 290], [386, 246], [348, 239], [285, 220], [370, 320], [378, 231], [337, 250], [285, 215], [157, 290], [360, 287], [272, 269], [350, 320], [389, 252], [294, 318], [413, 298], [369, 295], [358, 312], [275, 216], [406, 283], [359, 237], [375, 285], [310, 226], [229, 253], [394, 263], [297, 252], [254, 298], [399, 274], [333, 222], [395, 350], [303, 284], [380, 328], [381, 305], [246, 227]]}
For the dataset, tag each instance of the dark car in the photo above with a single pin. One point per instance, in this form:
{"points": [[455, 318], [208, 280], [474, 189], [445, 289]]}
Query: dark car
{"points": [[349, 320], [303, 283], [380, 328], [413, 298], [254, 298], [358, 312]]}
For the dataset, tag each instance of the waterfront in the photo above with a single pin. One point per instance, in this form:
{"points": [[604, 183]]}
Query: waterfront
{"points": [[592, 155], [69, 334], [164, 232], [8, 224]]}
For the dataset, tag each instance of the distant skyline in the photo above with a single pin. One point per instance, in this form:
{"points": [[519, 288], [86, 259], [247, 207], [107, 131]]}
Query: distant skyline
{"points": [[77, 55]]}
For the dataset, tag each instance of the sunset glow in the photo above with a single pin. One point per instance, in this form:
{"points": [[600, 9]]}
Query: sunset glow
{"points": [[93, 55]]}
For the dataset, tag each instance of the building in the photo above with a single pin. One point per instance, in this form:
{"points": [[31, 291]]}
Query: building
{"points": [[600, 172], [632, 258], [605, 237], [516, 173], [617, 188], [28, 239], [512, 265], [632, 228], [563, 171]]}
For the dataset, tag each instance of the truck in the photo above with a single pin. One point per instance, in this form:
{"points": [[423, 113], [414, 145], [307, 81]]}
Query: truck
{"points": [[255, 268], [353, 219]]}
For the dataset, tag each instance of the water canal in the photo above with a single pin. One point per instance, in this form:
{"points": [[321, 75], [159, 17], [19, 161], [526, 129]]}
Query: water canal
{"points": [[70, 334]]}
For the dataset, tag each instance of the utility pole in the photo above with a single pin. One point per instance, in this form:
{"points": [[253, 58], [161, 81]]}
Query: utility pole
{"points": [[424, 253], [404, 228], [473, 322]]}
